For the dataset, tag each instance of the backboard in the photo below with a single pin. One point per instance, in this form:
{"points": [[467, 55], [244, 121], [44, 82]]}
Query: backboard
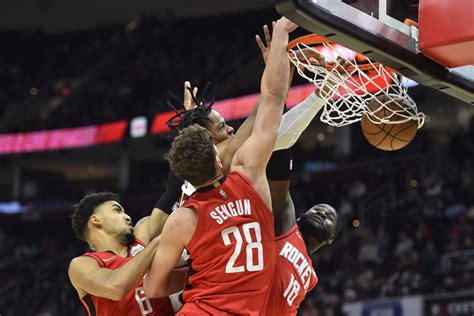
{"points": [[375, 28]]}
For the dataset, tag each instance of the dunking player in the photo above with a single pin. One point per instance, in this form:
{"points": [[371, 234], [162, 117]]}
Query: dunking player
{"points": [[227, 225], [295, 239], [109, 280]]}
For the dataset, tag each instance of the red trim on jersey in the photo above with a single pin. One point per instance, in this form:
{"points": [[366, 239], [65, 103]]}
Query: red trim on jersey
{"points": [[140, 242], [95, 257], [100, 260], [88, 308], [287, 233]]}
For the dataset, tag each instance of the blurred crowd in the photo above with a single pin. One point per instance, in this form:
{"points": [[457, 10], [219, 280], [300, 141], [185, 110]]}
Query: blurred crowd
{"points": [[117, 72]]}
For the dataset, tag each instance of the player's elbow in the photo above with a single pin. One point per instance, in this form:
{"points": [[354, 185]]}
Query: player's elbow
{"points": [[116, 292], [267, 134], [273, 92], [272, 95], [151, 289]]}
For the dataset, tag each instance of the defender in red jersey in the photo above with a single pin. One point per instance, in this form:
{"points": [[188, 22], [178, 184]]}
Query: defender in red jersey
{"points": [[295, 239], [109, 280], [234, 227], [294, 272], [227, 225]]}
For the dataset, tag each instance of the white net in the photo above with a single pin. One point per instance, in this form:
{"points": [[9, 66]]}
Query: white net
{"points": [[345, 79]]}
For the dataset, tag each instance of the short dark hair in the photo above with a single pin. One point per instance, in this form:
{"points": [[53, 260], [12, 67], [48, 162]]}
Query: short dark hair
{"points": [[86, 207], [192, 155]]}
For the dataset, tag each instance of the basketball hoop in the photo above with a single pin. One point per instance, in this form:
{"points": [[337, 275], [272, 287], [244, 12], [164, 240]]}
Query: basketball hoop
{"points": [[349, 81]]}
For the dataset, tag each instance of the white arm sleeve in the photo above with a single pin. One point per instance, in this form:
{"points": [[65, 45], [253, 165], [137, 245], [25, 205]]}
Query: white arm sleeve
{"points": [[295, 121]]}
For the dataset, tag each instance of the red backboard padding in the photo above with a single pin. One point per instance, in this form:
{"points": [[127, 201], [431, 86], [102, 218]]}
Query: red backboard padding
{"points": [[446, 31]]}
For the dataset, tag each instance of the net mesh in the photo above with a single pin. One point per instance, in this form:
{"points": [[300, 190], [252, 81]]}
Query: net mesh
{"points": [[345, 79]]}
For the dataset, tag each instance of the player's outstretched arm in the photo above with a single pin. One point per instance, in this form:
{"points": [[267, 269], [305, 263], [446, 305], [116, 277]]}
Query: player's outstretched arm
{"points": [[251, 158], [161, 280], [88, 277], [296, 120], [228, 148]]}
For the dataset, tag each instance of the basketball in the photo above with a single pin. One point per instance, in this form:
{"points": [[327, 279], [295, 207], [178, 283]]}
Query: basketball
{"points": [[387, 136]]}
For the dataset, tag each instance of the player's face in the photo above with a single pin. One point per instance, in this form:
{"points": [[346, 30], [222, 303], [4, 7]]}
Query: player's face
{"points": [[218, 128], [115, 221], [324, 219]]}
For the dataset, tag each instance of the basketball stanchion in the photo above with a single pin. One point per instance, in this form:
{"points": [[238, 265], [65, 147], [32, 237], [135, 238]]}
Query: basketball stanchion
{"points": [[358, 89]]}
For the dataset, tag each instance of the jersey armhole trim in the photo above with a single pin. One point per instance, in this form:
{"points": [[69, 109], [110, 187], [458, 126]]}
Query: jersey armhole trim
{"points": [[88, 305], [96, 258], [287, 233], [140, 242]]}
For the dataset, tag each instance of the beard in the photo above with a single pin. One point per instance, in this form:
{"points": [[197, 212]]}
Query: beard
{"points": [[127, 238], [322, 233], [313, 229]]}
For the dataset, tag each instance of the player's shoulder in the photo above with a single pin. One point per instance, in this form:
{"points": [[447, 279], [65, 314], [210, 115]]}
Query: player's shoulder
{"points": [[181, 225], [182, 216], [239, 175], [80, 266], [183, 212], [83, 262]]}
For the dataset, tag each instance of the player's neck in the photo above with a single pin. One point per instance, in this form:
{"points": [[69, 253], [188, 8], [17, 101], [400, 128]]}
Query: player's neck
{"points": [[312, 246], [211, 181], [103, 242]]}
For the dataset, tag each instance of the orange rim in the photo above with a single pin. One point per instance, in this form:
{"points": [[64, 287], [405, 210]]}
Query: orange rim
{"points": [[313, 40], [310, 39]]}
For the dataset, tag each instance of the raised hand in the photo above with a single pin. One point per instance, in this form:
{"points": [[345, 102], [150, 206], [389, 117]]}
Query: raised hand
{"points": [[189, 102], [286, 24], [265, 48]]}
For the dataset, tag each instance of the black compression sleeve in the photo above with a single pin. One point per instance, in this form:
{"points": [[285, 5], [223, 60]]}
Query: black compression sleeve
{"points": [[280, 165], [170, 198]]}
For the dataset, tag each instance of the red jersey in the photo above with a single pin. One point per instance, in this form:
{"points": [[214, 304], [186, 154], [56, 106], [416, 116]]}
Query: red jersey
{"points": [[232, 251], [134, 303], [294, 274]]}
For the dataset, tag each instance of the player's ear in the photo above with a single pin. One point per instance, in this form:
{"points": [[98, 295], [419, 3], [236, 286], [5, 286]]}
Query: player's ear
{"points": [[218, 164], [95, 220], [331, 239]]}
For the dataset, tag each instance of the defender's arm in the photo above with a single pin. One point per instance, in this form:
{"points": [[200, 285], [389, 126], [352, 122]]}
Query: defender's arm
{"points": [[161, 280], [87, 276]]}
